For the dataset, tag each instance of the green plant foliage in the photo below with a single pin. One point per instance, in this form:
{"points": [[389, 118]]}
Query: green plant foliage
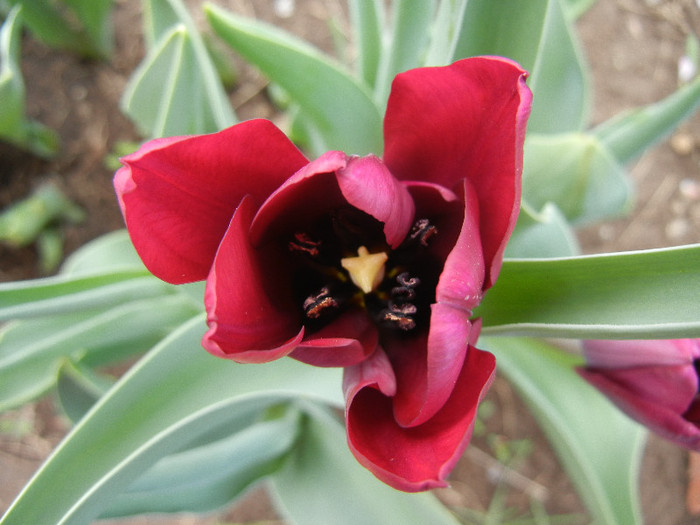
{"points": [[350, 122], [537, 35], [321, 478], [367, 23], [176, 90], [611, 296], [542, 234], [577, 173], [174, 396], [80, 26], [600, 447], [14, 126]]}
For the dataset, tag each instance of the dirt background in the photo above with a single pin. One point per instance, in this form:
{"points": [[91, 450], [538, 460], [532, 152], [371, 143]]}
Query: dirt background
{"points": [[633, 47]]}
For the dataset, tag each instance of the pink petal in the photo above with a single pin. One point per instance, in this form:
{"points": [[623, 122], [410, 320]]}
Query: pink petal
{"points": [[462, 279], [250, 311], [466, 120], [178, 194], [632, 353], [657, 397], [368, 185], [345, 341], [420, 457], [331, 181]]}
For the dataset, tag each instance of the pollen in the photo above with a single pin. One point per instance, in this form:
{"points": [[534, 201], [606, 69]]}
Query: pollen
{"points": [[366, 270]]}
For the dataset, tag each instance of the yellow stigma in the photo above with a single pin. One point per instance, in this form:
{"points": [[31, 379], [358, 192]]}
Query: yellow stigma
{"points": [[366, 270]]}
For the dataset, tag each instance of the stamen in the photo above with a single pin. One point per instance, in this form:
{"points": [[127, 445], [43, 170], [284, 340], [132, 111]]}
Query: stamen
{"points": [[400, 316], [423, 231], [303, 243], [316, 305]]}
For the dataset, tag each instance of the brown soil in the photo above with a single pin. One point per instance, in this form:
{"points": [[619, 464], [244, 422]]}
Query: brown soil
{"points": [[633, 47]]}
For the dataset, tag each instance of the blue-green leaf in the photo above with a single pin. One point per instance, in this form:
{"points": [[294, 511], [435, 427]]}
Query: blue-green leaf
{"points": [[636, 295], [176, 394], [366, 23], [537, 35], [541, 234], [350, 122], [78, 388], [446, 30], [577, 173], [321, 477], [600, 448]]}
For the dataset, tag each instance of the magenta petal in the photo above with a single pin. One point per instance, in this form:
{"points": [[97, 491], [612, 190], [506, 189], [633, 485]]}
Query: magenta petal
{"points": [[471, 124], [178, 194], [426, 370], [633, 353], [368, 185], [250, 311], [345, 341], [657, 397], [420, 457], [462, 279]]}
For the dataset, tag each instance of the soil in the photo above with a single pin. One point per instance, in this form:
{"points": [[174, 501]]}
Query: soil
{"points": [[633, 47]]}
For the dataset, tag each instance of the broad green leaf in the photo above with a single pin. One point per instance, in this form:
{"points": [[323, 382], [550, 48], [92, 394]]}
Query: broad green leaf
{"points": [[65, 24], [649, 294], [627, 135], [600, 448], [575, 8], [321, 477], [408, 41], [95, 18], [14, 126], [445, 32], [176, 90], [537, 35], [366, 23], [349, 122], [577, 173], [31, 351], [175, 394], [68, 293], [78, 388], [209, 476], [110, 252], [541, 234]]}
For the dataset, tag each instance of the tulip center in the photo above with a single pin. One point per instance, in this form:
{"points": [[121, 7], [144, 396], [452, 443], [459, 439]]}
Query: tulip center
{"points": [[344, 262]]}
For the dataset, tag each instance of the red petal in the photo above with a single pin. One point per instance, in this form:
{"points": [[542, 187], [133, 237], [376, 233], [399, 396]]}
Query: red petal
{"points": [[368, 185], [427, 368], [466, 120], [420, 457], [178, 194], [346, 341], [251, 314]]}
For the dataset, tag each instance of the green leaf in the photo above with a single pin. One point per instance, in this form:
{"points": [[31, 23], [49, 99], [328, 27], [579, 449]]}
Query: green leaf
{"points": [[110, 252], [366, 23], [537, 35], [321, 477], [445, 32], [575, 8], [577, 173], [408, 41], [627, 135], [635, 295], [66, 293], [14, 126], [159, 19], [350, 122], [79, 388], [209, 476], [173, 396], [97, 24], [32, 351], [600, 448], [541, 234]]}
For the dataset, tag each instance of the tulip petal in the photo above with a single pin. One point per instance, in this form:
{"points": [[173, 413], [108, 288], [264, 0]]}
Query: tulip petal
{"points": [[345, 341], [465, 120], [419, 457], [633, 353], [368, 185], [178, 195], [250, 312], [656, 396]]}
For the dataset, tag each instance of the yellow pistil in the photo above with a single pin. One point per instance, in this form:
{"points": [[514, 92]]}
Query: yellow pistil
{"points": [[366, 270]]}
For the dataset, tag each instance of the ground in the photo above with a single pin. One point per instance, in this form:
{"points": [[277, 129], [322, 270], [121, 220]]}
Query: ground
{"points": [[633, 47]]}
